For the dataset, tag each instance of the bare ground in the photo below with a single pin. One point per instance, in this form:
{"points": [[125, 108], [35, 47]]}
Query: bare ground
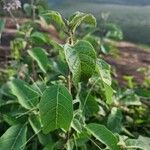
{"points": [[131, 58]]}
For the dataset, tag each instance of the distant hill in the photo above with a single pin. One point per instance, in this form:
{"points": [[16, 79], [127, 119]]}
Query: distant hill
{"points": [[122, 2]]}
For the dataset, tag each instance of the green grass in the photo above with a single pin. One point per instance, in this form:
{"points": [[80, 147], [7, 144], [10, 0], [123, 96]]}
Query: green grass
{"points": [[134, 20]]}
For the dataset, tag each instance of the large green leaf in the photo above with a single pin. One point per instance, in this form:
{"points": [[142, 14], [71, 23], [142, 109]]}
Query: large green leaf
{"points": [[102, 134], [14, 138], [81, 59], [26, 95], [40, 56], [79, 18], [53, 17], [56, 108]]}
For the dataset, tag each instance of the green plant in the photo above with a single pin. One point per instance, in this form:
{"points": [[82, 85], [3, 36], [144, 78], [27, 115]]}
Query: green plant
{"points": [[61, 96], [104, 36]]}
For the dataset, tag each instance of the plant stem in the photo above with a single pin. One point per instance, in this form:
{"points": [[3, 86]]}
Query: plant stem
{"points": [[34, 71], [33, 10], [90, 90], [69, 82], [25, 113], [68, 136], [14, 19], [30, 139], [71, 42]]}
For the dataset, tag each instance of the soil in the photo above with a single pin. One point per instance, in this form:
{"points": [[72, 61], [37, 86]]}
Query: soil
{"points": [[131, 57]]}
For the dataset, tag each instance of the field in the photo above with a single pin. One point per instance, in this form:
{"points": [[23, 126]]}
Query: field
{"points": [[64, 86], [134, 20]]}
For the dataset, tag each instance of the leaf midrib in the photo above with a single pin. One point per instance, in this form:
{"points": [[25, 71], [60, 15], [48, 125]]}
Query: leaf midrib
{"points": [[56, 113], [17, 137]]}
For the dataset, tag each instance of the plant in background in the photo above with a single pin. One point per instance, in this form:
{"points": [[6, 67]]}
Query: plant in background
{"points": [[12, 5], [61, 95], [104, 37], [2, 26]]}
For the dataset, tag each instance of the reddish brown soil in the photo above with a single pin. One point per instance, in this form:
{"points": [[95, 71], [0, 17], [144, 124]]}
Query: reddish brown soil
{"points": [[130, 57]]}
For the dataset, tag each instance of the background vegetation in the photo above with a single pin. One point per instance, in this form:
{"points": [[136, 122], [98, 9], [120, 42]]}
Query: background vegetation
{"points": [[131, 16]]}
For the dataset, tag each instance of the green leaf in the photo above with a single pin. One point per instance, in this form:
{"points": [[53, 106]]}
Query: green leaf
{"points": [[91, 106], [130, 98], [17, 47], [94, 40], [79, 18], [81, 59], [108, 91], [114, 120], [53, 17], [146, 141], [78, 121], [136, 144], [103, 70], [105, 48], [14, 138], [40, 56], [82, 138], [56, 108], [10, 119], [43, 38], [27, 97], [35, 123], [102, 134], [2, 26], [143, 92], [50, 146], [114, 32], [28, 9], [39, 37]]}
